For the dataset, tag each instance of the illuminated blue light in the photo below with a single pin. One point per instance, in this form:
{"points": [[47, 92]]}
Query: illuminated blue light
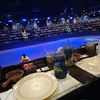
{"points": [[10, 21], [24, 20], [71, 18], [36, 19], [48, 18], [62, 18]]}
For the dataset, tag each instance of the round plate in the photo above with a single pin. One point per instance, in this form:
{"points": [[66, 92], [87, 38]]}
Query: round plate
{"points": [[36, 86]]}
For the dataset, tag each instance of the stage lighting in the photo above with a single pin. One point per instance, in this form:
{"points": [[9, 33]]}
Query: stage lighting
{"points": [[10, 21], [24, 20], [70, 18], [62, 19], [36, 19], [48, 18]]}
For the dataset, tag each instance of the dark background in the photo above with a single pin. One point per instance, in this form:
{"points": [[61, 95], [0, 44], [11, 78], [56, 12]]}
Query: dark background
{"points": [[46, 6]]}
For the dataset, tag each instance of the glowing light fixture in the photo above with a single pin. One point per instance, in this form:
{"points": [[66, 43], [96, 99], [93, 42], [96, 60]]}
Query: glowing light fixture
{"points": [[48, 18], [24, 20], [10, 21]]}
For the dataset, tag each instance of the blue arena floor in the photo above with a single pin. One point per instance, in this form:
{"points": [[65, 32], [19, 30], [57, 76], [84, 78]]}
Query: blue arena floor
{"points": [[13, 56]]}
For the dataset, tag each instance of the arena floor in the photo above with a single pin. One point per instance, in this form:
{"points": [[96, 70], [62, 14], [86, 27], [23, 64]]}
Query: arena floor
{"points": [[13, 56]]}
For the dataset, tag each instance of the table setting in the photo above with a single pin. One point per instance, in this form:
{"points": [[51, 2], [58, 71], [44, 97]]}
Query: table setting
{"points": [[40, 86]]}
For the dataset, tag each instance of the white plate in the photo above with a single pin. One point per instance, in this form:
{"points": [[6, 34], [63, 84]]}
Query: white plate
{"points": [[91, 65], [36, 86]]}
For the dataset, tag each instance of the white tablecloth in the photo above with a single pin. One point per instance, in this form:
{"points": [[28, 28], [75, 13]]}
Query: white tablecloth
{"points": [[8, 95]]}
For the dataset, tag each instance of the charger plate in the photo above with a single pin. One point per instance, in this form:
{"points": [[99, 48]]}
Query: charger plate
{"points": [[36, 86]]}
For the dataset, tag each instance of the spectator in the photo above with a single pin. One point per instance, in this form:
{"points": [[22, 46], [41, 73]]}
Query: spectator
{"points": [[25, 35]]}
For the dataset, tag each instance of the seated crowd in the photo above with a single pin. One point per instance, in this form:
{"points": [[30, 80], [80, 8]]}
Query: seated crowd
{"points": [[32, 32]]}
